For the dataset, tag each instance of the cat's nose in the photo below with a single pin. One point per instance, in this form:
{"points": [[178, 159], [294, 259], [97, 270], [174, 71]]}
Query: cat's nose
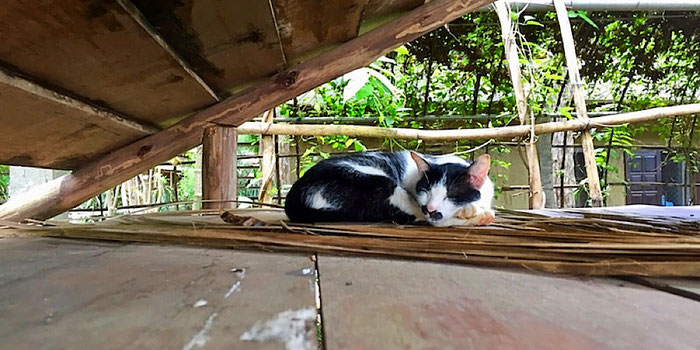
{"points": [[435, 215]]}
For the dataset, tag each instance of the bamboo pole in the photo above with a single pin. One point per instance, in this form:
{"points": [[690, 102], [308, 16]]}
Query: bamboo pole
{"points": [[110, 202], [66, 192], [219, 177], [506, 132], [567, 38], [536, 198], [197, 195], [267, 164]]}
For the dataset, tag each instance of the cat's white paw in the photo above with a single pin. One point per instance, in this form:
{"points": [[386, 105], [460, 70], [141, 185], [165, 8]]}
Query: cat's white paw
{"points": [[467, 212], [474, 215], [487, 217]]}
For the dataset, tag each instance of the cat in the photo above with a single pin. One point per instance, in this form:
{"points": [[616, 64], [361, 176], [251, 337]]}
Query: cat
{"points": [[401, 187]]}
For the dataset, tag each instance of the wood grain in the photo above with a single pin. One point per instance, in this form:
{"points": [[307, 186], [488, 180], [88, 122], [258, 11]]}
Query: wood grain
{"points": [[59, 294], [66, 192], [309, 25], [139, 18], [98, 114], [228, 43], [219, 173], [40, 131], [386, 7], [96, 50], [582, 244], [436, 306]]}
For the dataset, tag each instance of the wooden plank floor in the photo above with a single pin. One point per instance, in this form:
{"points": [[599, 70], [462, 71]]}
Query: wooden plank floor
{"points": [[63, 294], [384, 304], [71, 294]]}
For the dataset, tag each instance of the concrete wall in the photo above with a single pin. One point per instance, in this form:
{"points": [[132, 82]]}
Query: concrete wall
{"points": [[24, 178], [516, 174]]}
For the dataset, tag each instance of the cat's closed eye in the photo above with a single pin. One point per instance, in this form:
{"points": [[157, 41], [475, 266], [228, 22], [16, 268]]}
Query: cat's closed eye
{"points": [[422, 197]]}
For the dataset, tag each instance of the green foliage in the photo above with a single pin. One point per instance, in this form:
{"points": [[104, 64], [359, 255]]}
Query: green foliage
{"points": [[4, 183], [644, 59], [185, 186]]}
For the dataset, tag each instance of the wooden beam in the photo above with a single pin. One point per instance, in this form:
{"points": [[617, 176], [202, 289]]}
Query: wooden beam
{"points": [[506, 132], [99, 115], [594, 190], [66, 192], [536, 198], [136, 14], [219, 175]]}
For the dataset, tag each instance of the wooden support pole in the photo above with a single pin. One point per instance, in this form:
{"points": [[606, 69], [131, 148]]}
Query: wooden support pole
{"points": [[567, 38], [66, 192], [267, 163], [219, 176], [537, 198]]}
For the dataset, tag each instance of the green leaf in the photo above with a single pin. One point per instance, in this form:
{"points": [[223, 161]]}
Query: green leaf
{"points": [[364, 92], [401, 50], [585, 17]]}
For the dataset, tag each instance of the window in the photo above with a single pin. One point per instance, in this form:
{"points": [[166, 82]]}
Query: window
{"points": [[653, 178]]}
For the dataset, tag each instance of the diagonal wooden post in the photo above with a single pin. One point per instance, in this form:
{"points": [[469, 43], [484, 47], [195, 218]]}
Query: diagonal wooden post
{"points": [[537, 198], [567, 38]]}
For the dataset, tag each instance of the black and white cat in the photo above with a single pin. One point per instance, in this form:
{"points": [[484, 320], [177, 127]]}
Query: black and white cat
{"points": [[401, 187]]}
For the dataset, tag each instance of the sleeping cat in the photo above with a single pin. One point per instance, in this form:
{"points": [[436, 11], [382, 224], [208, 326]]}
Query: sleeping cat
{"points": [[401, 187]]}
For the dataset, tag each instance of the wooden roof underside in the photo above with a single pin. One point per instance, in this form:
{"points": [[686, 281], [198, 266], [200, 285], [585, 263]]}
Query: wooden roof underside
{"points": [[80, 78]]}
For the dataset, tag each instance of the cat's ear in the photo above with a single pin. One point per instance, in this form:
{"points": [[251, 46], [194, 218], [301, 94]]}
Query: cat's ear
{"points": [[422, 165], [479, 170]]}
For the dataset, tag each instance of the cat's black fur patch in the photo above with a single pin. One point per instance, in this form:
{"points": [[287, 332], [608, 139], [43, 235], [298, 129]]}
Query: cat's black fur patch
{"points": [[360, 197]]}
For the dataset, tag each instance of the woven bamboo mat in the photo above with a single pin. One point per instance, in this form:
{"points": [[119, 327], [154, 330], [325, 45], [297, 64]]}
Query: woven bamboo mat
{"points": [[634, 241]]}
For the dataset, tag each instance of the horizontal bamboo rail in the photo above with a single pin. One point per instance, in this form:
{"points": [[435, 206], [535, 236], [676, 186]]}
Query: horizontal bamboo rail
{"points": [[506, 132]]}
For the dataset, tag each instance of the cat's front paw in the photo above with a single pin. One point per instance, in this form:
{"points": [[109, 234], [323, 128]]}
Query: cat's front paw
{"points": [[481, 217], [467, 212], [487, 217]]}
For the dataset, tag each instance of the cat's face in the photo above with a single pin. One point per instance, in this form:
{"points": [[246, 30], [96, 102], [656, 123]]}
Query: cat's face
{"points": [[444, 189]]}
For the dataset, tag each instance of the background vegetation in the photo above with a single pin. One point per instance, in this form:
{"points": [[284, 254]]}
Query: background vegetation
{"points": [[630, 61]]}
